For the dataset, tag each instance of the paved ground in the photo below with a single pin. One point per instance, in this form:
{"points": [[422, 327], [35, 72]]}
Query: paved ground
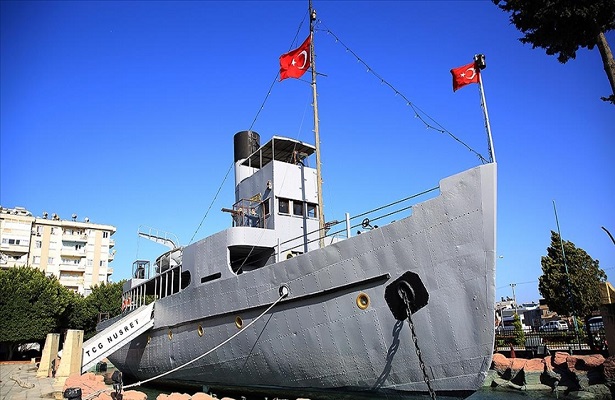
{"points": [[18, 381]]}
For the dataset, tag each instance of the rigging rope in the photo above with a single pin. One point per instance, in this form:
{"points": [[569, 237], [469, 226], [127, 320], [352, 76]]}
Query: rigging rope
{"points": [[212, 203], [417, 111], [251, 126], [276, 76]]}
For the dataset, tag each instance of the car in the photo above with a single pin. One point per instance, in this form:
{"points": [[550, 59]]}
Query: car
{"points": [[554, 326], [595, 323]]}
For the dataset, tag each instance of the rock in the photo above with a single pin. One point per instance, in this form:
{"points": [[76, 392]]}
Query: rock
{"points": [[518, 364], [88, 382], [609, 369], [519, 379], [134, 395], [580, 395], [559, 359], [550, 379], [584, 363], [534, 365], [201, 396], [548, 361], [500, 362], [178, 396]]}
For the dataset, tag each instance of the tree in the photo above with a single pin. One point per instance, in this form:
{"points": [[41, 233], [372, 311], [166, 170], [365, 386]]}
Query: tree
{"points": [[31, 306], [562, 26], [105, 298], [575, 292], [78, 315], [518, 330]]}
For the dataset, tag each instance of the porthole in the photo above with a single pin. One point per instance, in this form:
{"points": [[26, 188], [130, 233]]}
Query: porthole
{"points": [[170, 334], [238, 322], [199, 330], [362, 301]]}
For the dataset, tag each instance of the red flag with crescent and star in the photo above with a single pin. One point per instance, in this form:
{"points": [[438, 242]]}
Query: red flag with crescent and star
{"points": [[294, 63], [465, 75]]}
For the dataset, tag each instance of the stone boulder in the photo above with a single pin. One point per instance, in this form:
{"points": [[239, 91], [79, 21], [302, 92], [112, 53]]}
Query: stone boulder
{"points": [[88, 382]]}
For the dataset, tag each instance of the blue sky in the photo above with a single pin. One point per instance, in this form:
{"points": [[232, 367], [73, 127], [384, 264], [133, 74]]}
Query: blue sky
{"points": [[125, 112]]}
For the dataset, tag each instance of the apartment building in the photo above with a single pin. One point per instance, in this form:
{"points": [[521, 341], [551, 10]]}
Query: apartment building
{"points": [[77, 253]]}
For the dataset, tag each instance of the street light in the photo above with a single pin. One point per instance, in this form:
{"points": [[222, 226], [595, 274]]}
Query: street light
{"points": [[512, 285]]}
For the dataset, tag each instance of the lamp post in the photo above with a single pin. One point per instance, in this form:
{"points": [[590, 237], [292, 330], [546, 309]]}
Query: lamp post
{"points": [[512, 285]]}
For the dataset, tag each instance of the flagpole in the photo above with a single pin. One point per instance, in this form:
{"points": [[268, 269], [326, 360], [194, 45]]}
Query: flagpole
{"points": [[321, 213], [479, 62]]}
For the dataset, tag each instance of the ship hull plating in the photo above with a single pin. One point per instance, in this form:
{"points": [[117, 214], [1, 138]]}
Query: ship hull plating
{"points": [[336, 330]]}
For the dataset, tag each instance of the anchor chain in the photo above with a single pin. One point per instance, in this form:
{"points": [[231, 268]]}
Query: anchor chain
{"points": [[406, 300]]}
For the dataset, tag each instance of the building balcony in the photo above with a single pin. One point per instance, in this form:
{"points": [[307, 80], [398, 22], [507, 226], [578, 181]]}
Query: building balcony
{"points": [[111, 256], [15, 248], [72, 267], [111, 243], [71, 237], [72, 252], [71, 280]]}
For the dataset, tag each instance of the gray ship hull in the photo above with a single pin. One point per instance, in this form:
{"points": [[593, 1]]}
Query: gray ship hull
{"points": [[336, 330]]}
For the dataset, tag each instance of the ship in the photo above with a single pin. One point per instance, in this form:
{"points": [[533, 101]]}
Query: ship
{"points": [[398, 300]]}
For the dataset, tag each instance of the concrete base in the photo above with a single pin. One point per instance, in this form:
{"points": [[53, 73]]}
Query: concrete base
{"points": [[71, 354], [50, 353]]}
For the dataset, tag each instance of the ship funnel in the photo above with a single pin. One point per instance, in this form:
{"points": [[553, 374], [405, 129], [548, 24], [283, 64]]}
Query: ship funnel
{"points": [[246, 143]]}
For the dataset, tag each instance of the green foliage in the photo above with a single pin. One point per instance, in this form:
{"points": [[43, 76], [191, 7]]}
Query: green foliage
{"points": [[106, 298], [518, 331], [576, 292], [83, 312], [31, 305], [560, 26]]}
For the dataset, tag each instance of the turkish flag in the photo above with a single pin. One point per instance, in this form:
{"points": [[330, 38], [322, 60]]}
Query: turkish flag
{"points": [[294, 63], [464, 76]]}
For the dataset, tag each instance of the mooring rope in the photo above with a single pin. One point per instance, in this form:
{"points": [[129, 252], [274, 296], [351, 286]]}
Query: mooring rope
{"points": [[283, 293]]}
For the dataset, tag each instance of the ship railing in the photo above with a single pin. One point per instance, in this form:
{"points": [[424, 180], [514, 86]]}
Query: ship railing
{"points": [[166, 283], [249, 212], [338, 230]]}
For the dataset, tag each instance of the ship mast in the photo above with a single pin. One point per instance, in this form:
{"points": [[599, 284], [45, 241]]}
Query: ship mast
{"points": [[321, 213]]}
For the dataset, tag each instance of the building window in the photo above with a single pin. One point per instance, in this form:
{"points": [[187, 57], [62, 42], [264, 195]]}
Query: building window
{"points": [[37, 260], [284, 206], [105, 234], [50, 260], [38, 244], [102, 263], [298, 208], [311, 210], [266, 207]]}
